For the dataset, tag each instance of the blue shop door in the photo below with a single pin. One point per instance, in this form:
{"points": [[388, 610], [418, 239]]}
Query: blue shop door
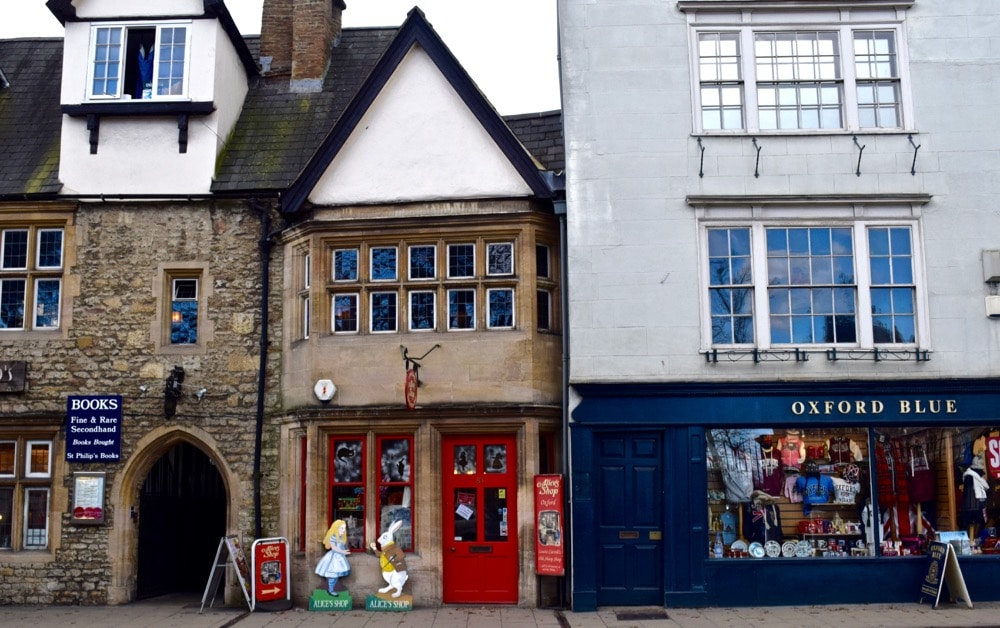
{"points": [[629, 520]]}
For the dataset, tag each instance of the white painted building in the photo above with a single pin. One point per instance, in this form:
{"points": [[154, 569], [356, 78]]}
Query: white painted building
{"points": [[781, 224]]}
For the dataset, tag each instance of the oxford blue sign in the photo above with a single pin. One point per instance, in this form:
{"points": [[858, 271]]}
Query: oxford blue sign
{"points": [[93, 428]]}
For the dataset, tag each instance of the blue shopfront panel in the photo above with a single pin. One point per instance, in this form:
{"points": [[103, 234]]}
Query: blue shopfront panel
{"points": [[681, 414]]}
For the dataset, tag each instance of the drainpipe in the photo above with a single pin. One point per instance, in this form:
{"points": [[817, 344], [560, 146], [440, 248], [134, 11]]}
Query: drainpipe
{"points": [[559, 207], [265, 269]]}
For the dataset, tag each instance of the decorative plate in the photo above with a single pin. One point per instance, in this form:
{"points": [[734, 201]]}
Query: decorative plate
{"points": [[859, 544], [757, 550], [788, 549], [772, 549], [803, 549], [738, 546]]}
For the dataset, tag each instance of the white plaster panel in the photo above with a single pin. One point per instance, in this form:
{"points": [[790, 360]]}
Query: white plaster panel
{"points": [[114, 8], [230, 86], [135, 156], [418, 141]]}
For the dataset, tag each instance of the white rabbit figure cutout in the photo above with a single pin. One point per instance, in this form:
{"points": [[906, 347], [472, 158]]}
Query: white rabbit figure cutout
{"points": [[392, 560]]}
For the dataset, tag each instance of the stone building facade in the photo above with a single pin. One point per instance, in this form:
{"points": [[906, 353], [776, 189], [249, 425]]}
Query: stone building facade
{"points": [[783, 217], [201, 250]]}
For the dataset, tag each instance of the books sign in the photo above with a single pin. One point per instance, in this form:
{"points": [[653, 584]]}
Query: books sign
{"points": [[93, 428]]}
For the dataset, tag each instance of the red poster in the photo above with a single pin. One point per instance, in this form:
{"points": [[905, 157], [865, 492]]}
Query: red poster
{"points": [[550, 555], [270, 573], [993, 456]]}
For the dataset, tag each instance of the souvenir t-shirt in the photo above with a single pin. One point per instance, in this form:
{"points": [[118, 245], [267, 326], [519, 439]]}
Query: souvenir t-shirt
{"points": [[845, 492], [789, 491], [771, 478], [814, 490]]}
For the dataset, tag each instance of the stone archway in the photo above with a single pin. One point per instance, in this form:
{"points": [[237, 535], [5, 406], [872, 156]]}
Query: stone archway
{"points": [[125, 492]]}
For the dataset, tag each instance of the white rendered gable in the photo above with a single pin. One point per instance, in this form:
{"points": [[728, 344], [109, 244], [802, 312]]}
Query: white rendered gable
{"points": [[418, 141]]}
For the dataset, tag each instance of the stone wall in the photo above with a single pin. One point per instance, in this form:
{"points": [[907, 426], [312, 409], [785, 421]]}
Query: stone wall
{"points": [[113, 313]]}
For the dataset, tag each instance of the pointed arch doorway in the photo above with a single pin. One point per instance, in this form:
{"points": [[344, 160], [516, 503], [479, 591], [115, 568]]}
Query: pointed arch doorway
{"points": [[182, 516]]}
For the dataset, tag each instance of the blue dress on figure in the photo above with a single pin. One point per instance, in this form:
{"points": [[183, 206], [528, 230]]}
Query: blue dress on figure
{"points": [[334, 563]]}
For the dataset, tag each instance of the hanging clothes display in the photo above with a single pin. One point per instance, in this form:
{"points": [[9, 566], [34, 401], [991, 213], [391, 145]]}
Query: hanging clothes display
{"points": [[975, 490], [762, 519], [771, 476], [920, 478], [793, 449], [144, 81], [842, 449], [736, 453]]}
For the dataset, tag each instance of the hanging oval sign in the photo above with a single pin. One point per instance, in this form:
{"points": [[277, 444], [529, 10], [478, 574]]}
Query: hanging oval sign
{"points": [[410, 389]]}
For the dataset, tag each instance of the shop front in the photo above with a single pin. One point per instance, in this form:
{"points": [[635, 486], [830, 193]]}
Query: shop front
{"points": [[746, 494], [455, 486]]}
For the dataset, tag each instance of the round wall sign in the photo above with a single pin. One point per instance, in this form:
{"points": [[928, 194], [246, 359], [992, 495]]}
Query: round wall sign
{"points": [[411, 389], [325, 390]]}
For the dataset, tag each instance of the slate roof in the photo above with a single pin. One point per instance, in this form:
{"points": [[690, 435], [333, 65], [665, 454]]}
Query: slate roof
{"points": [[279, 131], [30, 119], [542, 135]]}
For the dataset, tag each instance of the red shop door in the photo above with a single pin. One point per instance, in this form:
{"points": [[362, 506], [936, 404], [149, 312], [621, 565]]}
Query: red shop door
{"points": [[479, 478]]}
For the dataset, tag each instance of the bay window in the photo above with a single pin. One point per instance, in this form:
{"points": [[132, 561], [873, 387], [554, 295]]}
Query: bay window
{"points": [[379, 288]]}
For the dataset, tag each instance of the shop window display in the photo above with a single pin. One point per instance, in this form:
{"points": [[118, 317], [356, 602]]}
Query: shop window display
{"points": [[852, 492]]}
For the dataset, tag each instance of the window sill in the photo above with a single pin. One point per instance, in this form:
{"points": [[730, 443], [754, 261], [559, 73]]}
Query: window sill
{"points": [[743, 133], [131, 108], [24, 557]]}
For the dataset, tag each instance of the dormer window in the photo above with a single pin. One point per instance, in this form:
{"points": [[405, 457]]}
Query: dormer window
{"points": [[141, 62]]}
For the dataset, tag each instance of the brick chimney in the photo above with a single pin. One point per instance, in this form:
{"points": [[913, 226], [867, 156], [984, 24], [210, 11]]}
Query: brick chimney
{"points": [[296, 37]]}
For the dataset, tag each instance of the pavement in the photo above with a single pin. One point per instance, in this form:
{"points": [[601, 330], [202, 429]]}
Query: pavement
{"points": [[187, 612]]}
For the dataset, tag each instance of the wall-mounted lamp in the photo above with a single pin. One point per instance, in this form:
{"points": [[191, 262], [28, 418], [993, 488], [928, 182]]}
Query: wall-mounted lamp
{"points": [[172, 391], [176, 317]]}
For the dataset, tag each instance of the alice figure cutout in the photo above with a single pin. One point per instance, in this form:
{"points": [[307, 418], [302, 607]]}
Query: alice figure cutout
{"points": [[334, 563]]}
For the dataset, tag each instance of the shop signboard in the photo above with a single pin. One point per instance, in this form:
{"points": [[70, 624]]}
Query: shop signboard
{"points": [[943, 567], [12, 375], [550, 554], [269, 570], [93, 428], [229, 554], [411, 389]]}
